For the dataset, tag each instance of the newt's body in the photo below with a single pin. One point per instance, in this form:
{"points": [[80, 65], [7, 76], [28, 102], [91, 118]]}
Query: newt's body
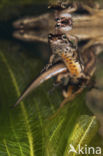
{"points": [[64, 48], [80, 67], [78, 64], [79, 75]]}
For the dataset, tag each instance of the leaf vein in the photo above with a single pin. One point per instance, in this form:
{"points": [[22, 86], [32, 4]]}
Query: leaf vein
{"points": [[29, 133]]}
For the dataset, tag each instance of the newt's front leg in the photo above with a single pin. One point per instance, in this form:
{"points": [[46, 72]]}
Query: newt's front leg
{"points": [[53, 59]]}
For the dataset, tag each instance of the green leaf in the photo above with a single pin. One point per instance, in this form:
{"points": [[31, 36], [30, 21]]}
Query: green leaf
{"points": [[28, 129], [84, 130], [71, 128]]}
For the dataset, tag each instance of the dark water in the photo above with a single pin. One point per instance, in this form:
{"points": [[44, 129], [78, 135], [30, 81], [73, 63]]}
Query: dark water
{"points": [[7, 29]]}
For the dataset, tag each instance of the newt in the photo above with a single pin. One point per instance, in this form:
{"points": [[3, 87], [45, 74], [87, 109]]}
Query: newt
{"points": [[79, 63], [81, 66], [83, 70]]}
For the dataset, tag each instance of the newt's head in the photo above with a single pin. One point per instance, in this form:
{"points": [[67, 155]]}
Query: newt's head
{"points": [[64, 22], [60, 44]]}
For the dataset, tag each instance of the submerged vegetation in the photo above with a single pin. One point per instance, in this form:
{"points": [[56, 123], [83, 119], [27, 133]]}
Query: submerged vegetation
{"points": [[28, 130]]}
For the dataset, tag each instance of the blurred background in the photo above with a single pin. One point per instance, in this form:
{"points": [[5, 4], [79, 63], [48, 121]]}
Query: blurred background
{"points": [[20, 62]]}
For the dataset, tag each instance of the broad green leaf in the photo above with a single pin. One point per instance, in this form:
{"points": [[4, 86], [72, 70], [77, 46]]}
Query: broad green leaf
{"points": [[72, 129], [27, 129], [84, 130]]}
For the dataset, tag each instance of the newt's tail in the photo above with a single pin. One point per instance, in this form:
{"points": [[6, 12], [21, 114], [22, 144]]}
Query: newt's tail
{"points": [[51, 72]]}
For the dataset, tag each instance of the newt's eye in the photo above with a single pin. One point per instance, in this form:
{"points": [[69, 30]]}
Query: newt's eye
{"points": [[64, 37], [57, 25], [50, 36], [57, 19], [67, 49]]}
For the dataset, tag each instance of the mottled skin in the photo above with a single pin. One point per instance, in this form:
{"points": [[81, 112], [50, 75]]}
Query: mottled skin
{"points": [[80, 63], [80, 67], [76, 74], [66, 49]]}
